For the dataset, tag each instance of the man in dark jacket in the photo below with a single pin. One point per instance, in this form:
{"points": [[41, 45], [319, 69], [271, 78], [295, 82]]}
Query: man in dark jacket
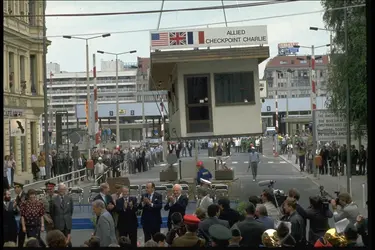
{"points": [[298, 223], [226, 212], [251, 229], [176, 203], [354, 156], [362, 160]]}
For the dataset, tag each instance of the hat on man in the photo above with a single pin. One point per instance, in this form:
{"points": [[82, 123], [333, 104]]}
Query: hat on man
{"points": [[191, 219], [100, 158], [17, 184], [236, 232], [199, 163], [50, 184], [220, 232]]}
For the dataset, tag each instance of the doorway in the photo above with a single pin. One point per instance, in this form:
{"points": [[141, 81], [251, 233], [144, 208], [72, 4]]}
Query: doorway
{"points": [[198, 103]]}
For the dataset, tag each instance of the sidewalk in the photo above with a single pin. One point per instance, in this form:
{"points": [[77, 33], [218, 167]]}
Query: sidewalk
{"points": [[332, 184]]}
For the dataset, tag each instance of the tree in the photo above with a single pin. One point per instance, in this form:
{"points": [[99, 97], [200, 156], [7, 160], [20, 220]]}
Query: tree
{"points": [[352, 68]]}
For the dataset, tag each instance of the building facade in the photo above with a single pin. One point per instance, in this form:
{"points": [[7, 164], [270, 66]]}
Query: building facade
{"points": [[289, 76], [22, 80], [53, 68], [68, 92]]}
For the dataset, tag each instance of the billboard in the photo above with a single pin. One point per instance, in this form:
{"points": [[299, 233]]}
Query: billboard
{"points": [[329, 126], [209, 37], [17, 127], [285, 49]]}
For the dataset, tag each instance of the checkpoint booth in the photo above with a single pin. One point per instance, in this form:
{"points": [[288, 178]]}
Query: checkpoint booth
{"points": [[212, 79]]}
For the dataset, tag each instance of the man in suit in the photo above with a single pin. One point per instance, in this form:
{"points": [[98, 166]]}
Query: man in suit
{"points": [[251, 230], [349, 209], [106, 197], [151, 205], [105, 226], [176, 203], [127, 224], [20, 198], [62, 211], [213, 213], [204, 199]]}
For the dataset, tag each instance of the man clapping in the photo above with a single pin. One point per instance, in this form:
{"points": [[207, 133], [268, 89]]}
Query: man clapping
{"points": [[176, 203]]}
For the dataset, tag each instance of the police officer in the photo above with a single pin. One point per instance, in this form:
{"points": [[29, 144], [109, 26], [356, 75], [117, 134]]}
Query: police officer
{"points": [[47, 202], [203, 173], [220, 235]]}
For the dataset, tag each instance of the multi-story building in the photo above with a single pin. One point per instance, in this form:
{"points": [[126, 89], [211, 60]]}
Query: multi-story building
{"points": [[296, 82], [23, 79], [68, 92], [53, 68]]}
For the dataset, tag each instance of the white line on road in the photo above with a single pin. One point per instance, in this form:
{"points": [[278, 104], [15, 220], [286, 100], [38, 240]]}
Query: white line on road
{"points": [[162, 165], [270, 162], [246, 162], [234, 162], [282, 161]]}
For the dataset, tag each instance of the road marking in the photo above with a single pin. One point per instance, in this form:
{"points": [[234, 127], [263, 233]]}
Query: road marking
{"points": [[246, 162], [270, 162], [234, 162], [162, 165], [282, 162], [298, 177]]}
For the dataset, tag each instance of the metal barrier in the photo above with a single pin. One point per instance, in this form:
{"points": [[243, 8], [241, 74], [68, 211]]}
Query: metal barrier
{"points": [[185, 190], [135, 190], [143, 189], [94, 191], [163, 191], [220, 190], [77, 195]]}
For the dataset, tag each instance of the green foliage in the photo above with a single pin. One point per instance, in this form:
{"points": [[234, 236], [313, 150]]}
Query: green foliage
{"points": [[353, 68], [241, 207]]}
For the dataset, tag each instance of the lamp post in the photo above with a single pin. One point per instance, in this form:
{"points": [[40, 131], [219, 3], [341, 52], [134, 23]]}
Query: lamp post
{"points": [[88, 81], [330, 37], [117, 98], [312, 59], [288, 72]]}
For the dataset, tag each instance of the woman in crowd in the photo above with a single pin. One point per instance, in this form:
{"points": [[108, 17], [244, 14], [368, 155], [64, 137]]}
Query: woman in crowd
{"points": [[32, 212]]}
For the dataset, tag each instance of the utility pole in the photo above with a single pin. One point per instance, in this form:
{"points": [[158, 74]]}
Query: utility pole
{"points": [[313, 105], [348, 130], [143, 112], [88, 89], [46, 133]]}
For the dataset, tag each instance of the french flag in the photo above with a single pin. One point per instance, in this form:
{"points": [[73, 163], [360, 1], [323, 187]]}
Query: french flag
{"points": [[195, 37]]}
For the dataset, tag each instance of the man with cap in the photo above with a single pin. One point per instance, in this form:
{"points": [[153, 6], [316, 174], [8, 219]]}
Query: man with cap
{"points": [[203, 173], [47, 202], [253, 162], [220, 235], [20, 198], [236, 238], [99, 170], [190, 238]]}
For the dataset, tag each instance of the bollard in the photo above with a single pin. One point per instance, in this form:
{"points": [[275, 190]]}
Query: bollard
{"points": [[179, 168], [350, 186], [215, 165], [364, 195]]}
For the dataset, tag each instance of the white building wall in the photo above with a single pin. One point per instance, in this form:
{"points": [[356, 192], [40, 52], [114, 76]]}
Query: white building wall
{"points": [[110, 66], [53, 67], [238, 119]]}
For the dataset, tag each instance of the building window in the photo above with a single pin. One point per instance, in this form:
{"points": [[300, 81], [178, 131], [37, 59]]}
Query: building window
{"points": [[270, 84], [292, 61], [23, 74], [319, 61], [32, 12], [303, 62], [283, 62], [321, 73], [33, 75], [280, 75], [234, 88], [11, 72]]}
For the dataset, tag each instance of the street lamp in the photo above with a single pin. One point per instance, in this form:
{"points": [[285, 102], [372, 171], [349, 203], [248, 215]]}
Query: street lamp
{"points": [[313, 95], [330, 36], [88, 80], [117, 98]]}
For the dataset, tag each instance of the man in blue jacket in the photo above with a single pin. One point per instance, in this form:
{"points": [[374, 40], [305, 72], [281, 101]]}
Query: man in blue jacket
{"points": [[203, 173]]}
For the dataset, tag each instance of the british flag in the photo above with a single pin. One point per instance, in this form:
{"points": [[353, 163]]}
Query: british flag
{"points": [[177, 38]]}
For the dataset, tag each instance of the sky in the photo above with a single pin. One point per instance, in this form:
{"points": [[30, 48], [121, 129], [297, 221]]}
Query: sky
{"points": [[70, 53]]}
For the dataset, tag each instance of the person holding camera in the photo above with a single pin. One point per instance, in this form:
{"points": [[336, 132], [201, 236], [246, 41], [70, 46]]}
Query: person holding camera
{"points": [[318, 213], [178, 228], [349, 209]]}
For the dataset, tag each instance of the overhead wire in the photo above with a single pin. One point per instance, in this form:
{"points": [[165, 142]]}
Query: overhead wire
{"points": [[195, 25], [231, 6]]}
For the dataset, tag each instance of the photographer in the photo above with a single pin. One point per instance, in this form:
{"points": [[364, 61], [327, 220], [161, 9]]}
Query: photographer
{"points": [[318, 213], [349, 209], [178, 228]]}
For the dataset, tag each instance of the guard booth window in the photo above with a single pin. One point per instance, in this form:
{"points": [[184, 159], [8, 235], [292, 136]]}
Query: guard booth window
{"points": [[234, 88]]}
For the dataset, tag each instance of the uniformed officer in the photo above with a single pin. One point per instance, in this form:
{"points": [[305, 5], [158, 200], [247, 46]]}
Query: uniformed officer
{"points": [[190, 238], [47, 202], [220, 235], [21, 198], [203, 173]]}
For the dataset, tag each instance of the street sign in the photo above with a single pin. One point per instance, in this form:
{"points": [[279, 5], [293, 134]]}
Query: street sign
{"points": [[268, 108], [131, 112], [74, 138], [329, 126], [122, 111], [110, 113]]}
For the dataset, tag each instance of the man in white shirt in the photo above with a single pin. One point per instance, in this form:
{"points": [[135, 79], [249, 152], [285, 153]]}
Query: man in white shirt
{"points": [[100, 168]]}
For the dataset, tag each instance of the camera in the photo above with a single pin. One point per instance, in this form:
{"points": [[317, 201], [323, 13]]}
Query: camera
{"points": [[280, 196], [324, 200]]}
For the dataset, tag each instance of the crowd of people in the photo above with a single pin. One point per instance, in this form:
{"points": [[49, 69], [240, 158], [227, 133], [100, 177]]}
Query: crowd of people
{"points": [[214, 223], [332, 158]]}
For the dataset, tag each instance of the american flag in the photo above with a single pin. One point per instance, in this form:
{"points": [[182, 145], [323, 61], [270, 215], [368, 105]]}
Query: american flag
{"points": [[177, 38], [159, 39]]}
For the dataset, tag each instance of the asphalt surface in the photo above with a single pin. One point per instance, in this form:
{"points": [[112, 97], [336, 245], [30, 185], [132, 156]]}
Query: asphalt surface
{"points": [[284, 174]]}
